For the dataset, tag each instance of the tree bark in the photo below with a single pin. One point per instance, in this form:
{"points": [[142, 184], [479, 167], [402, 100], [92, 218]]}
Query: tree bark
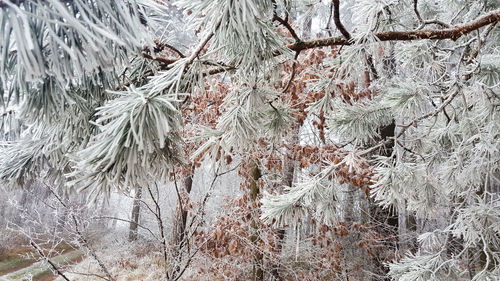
{"points": [[181, 212], [433, 34], [136, 210], [180, 220], [255, 175], [287, 180]]}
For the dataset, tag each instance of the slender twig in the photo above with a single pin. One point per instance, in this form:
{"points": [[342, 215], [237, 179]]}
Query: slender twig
{"points": [[438, 22], [482, 39], [198, 50], [142, 201], [178, 197], [417, 13], [287, 26], [329, 20], [125, 220], [160, 58], [284, 22], [193, 56], [373, 148], [409, 150], [292, 76], [190, 258], [423, 22], [161, 229], [53, 265], [160, 46], [336, 19], [208, 193], [81, 237]]}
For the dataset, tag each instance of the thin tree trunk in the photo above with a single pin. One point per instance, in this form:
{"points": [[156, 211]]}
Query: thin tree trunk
{"points": [[386, 220], [161, 229], [180, 220], [136, 210], [287, 180], [255, 174]]}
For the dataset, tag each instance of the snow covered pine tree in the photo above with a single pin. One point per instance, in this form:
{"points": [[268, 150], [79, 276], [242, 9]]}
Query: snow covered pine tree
{"points": [[396, 98]]}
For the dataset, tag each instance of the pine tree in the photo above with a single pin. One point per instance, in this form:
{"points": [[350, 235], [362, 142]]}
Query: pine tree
{"points": [[398, 99]]}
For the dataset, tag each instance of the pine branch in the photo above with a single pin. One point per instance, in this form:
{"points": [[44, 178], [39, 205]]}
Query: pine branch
{"points": [[428, 34], [198, 50], [432, 34]]}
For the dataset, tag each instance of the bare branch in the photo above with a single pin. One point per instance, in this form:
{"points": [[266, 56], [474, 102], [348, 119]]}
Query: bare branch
{"points": [[285, 23], [425, 22], [40, 252], [432, 34], [161, 46], [160, 229], [336, 19], [428, 34], [417, 13], [125, 220]]}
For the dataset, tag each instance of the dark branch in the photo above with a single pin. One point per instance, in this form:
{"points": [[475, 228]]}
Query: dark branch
{"points": [[432, 34], [425, 22], [287, 26], [164, 60], [161, 46], [53, 265], [417, 13], [336, 19], [438, 22], [284, 22]]}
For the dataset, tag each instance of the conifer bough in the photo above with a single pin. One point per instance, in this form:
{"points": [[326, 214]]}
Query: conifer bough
{"points": [[452, 33]]}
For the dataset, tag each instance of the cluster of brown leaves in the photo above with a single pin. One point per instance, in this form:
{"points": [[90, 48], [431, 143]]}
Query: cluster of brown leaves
{"points": [[236, 239]]}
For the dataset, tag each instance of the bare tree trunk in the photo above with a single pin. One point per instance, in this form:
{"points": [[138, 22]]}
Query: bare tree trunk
{"points": [[255, 174], [180, 220], [287, 180], [406, 229], [136, 210]]}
